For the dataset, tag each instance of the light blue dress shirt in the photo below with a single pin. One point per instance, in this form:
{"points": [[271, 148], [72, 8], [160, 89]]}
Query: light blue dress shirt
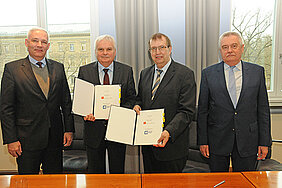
{"points": [[102, 73]]}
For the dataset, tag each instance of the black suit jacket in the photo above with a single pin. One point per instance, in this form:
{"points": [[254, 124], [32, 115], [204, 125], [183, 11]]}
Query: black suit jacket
{"points": [[177, 95], [219, 122], [94, 132], [27, 116]]}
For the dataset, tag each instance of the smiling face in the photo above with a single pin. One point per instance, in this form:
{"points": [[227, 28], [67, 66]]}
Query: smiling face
{"points": [[37, 44], [231, 50], [160, 51], [105, 52]]}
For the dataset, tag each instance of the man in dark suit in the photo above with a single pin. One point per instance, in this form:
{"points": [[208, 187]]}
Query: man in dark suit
{"points": [[36, 108], [233, 114], [171, 86], [102, 72]]}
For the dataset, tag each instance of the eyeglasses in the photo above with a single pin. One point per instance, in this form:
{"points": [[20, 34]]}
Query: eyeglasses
{"points": [[233, 46], [160, 48]]}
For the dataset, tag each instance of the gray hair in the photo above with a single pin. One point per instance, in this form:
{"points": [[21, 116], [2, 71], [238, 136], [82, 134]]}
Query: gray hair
{"points": [[105, 37], [230, 33], [37, 29]]}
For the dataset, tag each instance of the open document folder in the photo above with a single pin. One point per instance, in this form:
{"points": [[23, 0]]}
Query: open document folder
{"points": [[96, 100], [125, 126]]}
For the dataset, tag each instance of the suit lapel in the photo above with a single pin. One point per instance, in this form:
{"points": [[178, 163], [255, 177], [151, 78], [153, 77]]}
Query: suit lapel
{"points": [[166, 79], [51, 71], [27, 69], [117, 73], [222, 81], [245, 80]]}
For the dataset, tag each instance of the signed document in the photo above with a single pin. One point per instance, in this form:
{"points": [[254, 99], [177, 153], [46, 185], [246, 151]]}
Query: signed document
{"points": [[96, 100], [126, 127], [83, 97], [105, 96]]}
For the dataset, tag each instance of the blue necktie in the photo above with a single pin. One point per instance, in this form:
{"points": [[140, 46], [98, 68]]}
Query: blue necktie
{"points": [[232, 86]]}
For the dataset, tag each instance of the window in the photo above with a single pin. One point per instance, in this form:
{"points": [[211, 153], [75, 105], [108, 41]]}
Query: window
{"points": [[14, 23], [256, 21]]}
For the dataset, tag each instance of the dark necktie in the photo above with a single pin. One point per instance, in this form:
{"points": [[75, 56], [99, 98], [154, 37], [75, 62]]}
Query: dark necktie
{"points": [[157, 83], [106, 77], [39, 64]]}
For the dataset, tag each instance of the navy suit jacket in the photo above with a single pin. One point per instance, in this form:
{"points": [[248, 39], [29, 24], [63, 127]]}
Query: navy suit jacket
{"points": [[177, 95], [27, 116], [219, 123], [94, 132]]}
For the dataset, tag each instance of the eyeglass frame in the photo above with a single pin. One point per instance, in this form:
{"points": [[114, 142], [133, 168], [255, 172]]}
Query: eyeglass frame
{"points": [[160, 48]]}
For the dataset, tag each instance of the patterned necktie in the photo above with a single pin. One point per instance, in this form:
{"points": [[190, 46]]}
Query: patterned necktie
{"points": [[106, 77], [157, 83], [39, 64], [232, 86]]}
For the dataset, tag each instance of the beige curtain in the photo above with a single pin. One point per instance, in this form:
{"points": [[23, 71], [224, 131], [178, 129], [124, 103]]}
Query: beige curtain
{"points": [[136, 21], [202, 33]]}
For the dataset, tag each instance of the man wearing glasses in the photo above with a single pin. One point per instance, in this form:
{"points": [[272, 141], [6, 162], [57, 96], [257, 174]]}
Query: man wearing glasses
{"points": [[233, 114], [171, 86]]}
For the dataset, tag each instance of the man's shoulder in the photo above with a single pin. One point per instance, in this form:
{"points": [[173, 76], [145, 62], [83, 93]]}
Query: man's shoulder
{"points": [[16, 62], [252, 65], [213, 67], [180, 67], [122, 65]]}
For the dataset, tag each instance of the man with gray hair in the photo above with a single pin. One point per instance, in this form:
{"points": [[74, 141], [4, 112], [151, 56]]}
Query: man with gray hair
{"points": [[233, 110], [106, 71], [36, 114]]}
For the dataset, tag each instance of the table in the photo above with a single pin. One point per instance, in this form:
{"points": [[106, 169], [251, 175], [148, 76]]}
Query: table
{"points": [[194, 180], [71, 181], [264, 179]]}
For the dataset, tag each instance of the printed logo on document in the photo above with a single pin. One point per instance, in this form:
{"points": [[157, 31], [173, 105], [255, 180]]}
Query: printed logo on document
{"points": [[146, 132]]}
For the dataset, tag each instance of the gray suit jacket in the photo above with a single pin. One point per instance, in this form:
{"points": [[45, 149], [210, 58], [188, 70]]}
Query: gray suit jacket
{"points": [[94, 132], [177, 95], [219, 123], [27, 116]]}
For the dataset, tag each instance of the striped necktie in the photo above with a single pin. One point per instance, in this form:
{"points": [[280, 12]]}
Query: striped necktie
{"points": [[157, 83], [39, 64]]}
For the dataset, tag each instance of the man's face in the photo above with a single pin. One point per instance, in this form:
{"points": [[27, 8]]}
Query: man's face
{"points": [[105, 52], [231, 50], [160, 52], [37, 44]]}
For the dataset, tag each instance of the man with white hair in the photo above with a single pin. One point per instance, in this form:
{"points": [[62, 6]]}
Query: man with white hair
{"points": [[106, 71]]}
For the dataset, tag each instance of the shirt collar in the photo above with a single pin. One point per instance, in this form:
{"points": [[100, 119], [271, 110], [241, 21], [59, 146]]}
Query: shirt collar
{"points": [[237, 66], [33, 61], [101, 67]]}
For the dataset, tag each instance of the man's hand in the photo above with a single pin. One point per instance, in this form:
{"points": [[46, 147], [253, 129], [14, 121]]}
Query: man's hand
{"points": [[137, 109], [15, 149], [68, 136], [262, 152], [89, 117], [163, 139], [205, 150]]}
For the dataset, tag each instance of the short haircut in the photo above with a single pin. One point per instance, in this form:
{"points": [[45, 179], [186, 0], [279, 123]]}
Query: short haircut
{"points": [[159, 36], [230, 33], [37, 29], [105, 37]]}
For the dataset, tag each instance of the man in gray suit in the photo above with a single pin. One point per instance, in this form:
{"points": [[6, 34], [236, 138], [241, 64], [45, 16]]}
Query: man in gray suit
{"points": [[171, 86], [233, 112], [102, 72], [36, 114]]}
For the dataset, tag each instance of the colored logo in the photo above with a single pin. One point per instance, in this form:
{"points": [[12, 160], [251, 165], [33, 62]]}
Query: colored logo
{"points": [[102, 97], [104, 106]]}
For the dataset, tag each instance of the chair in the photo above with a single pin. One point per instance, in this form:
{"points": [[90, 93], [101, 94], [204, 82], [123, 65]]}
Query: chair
{"points": [[74, 156]]}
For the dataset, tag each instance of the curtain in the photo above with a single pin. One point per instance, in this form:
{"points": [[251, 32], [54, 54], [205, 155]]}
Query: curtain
{"points": [[136, 22], [202, 33]]}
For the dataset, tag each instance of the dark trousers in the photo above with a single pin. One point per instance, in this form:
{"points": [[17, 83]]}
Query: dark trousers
{"points": [[220, 163], [152, 165], [97, 158], [51, 159]]}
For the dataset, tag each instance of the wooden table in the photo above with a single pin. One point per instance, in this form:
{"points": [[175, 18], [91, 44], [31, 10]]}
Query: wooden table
{"points": [[265, 179], [194, 180], [71, 181]]}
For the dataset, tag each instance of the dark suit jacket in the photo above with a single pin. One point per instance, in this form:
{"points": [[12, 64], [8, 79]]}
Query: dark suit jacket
{"points": [[219, 122], [94, 132], [177, 95], [27, 116]]}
